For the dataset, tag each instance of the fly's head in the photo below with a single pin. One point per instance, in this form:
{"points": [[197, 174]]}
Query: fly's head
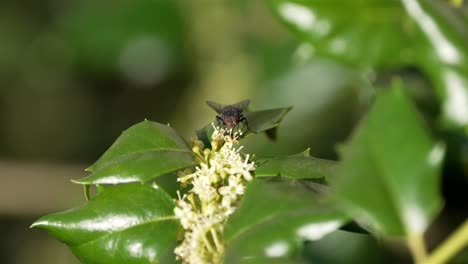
{"points": [[230, 116]]}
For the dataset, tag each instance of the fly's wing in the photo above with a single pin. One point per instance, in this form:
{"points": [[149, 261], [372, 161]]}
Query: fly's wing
{"points": [[215, 106], [242, 105]]}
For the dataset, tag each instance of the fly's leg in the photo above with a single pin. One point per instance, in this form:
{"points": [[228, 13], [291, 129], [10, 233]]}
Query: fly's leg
{"points": [[219, 120], [243, 119]]}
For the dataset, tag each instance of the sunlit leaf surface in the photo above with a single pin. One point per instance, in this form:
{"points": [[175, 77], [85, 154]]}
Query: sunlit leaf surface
{"points": [[143, 152], [273, 220], [387, 33], [300, 166], [389, 175], [130, 223], [335, 29]]}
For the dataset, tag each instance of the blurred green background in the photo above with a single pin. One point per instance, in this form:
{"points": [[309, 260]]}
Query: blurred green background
{"points": [[75, 74]]}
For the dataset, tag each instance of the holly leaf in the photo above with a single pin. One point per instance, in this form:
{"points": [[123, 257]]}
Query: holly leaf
{"points": [[143, 152], [130, 223], [273, 220], [296, 167], [389, 175], [388, 34]]}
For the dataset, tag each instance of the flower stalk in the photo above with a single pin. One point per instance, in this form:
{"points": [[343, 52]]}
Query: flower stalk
{"points": [[217, 185]]}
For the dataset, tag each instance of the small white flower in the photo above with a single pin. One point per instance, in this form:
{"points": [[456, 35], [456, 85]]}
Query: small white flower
{"points": [[247, 175], [226, 202], [210, 209], [233, 189], [185, 213], [217, 185], [203, 188]]}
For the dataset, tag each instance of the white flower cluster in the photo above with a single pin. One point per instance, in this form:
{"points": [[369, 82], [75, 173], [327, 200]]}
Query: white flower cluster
{"points": [[218, 183]]}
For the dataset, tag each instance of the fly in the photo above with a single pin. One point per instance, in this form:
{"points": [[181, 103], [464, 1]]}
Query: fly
{"points": [[230, 116]]}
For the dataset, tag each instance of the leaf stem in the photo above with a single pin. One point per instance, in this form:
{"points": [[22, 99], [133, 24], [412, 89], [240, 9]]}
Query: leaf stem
{"points": [[417, 248], [450, 246]]}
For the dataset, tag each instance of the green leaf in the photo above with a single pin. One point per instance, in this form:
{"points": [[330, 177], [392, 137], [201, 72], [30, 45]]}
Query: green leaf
{"points": [[389, 175], [443, 56], [258, 121], [130, 223], [300, 166], [389, 33], [264, 120], [273, 220], [333, 29], [143, 152]]}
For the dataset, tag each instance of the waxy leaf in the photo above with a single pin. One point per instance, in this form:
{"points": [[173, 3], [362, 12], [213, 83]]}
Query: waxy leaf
{"points": [[444, 56], [258, 121], [143, 152], [130, 223], [362, 33], [296, 167], [273, 220], [389, 175], [387, 33], [264, 120]]}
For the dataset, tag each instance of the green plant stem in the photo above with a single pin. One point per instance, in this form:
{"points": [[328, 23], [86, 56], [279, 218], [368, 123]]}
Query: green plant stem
{"points": [[450, 246], [417, 248]]}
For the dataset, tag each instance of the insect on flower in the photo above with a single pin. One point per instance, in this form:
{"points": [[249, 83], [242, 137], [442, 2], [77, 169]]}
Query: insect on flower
{"points": [[230, 116]]}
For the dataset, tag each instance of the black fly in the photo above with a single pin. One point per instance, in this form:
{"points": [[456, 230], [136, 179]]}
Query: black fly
{"points": [[230, 115]]}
